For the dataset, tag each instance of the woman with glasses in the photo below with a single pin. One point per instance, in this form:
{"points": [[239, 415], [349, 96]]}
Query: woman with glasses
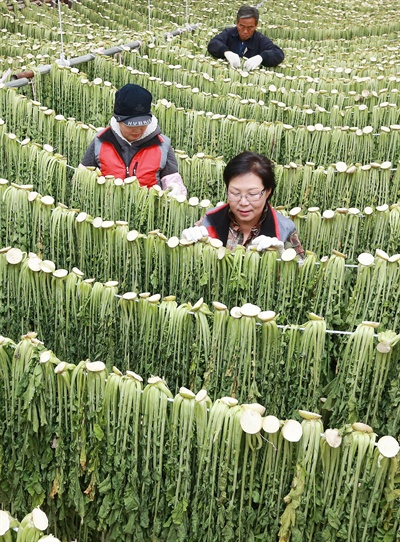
{"points": [[248, 218]]}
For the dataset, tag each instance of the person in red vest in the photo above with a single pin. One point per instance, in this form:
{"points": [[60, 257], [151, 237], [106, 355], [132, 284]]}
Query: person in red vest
{"points": [[133, 145], [248, 218]]}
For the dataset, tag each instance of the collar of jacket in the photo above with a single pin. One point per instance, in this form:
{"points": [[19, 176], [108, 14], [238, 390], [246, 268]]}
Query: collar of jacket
{"points": [[108, 135]]}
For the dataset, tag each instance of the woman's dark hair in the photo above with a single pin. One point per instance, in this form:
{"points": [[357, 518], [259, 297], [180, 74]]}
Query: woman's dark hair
{"points": [[251, 162]]}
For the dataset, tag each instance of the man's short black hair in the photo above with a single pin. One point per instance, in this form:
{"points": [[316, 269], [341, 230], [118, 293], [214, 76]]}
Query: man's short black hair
{"points": [[248, 12]]}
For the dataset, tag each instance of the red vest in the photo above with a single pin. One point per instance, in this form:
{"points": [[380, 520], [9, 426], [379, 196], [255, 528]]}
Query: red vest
{"points": [[145, 164]]}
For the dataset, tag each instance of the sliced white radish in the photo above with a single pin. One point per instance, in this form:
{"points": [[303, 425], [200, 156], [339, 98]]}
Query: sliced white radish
{"points": [[155, 298], [328, 214], [251, 421], [235, 312], [219, 306], [288, 255], [132, 235], [135, 376], [383, 348], [370, 324], [333, 438], [250, 310], [60, 273], [14, 256], [173, 242], [366, 259], [45, 356], [193, 201], [266, 316], [229, 401], [77, 271], [81, 217], [271, 424], [186, 393], [201, 396], [255, 406], [144, 295], [154, 380], [292, 430], [198, 305], [97, 222], [95, 366], [39, 519], [60, 368], [47, 200], [388, 446], [129, 296], [381, 254], [341, 167], [363, 427], [4, 522], [111, 283], [307, 415], [214, 242], [295, 211]]}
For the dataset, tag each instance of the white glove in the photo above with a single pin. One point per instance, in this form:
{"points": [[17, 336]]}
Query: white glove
{"points": [[195, 233], [263, 242], [233, 59], [174, 184], [252, 63]]}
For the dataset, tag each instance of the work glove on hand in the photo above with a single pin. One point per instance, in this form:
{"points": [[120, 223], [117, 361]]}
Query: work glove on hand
{"points": [[263, 242], [252, 63], [195, 233], [233, 59], [174, 184]]}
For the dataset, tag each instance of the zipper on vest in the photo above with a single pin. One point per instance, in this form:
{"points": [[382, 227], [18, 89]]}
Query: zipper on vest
{"points": [[135, 168]]}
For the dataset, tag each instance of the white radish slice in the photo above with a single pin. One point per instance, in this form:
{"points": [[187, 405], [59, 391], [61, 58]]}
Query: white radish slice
{"points": [[32, 196], [49, 538], [81, 217], [341, 167], [4, 522], [201, 396], [60, 368], [97, 222], [366, 259], [193, 201], [39, 519], [386, 165], [363, 427], [95, 366], [235, 312], [266, 316], [47, 200], [388, 446], [129, 296], [186, 393], [288, 255], [248, 309], [180, 198], [333, 438], [173, 242], [381, 254], [45, 356], [60, 273], [295, 211], [14, 256], [256, 407], [144, 295], [34, 264], [328, 214], [292, 431], [154, 298], [111, 283], [271, 424], [251, 422], [216, 243], [383, 348], [77, 271], [229, 401], [107, 224], [219, 306], [154, 380], [198, 304], [132, 235], [135, 376], [371, 324], [307, 415]]}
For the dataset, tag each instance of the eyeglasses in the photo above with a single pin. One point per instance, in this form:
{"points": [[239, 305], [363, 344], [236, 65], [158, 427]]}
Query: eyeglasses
{"points": [[249, 197]]}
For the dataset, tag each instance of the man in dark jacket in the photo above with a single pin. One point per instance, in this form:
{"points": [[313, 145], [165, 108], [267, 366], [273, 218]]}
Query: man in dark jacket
{"points": [[243, 40]]}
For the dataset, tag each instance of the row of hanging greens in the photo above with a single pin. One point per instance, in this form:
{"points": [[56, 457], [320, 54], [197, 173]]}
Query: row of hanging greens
{"points": [[109, 457], [348, 230], [243, 351], [72, 93]]}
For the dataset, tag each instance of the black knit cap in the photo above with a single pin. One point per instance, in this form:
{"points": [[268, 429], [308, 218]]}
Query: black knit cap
{"points": [[132, 105]]}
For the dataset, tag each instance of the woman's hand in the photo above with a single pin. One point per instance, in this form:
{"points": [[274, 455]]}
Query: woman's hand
{"points": [[195, 233], [263, 242]]}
